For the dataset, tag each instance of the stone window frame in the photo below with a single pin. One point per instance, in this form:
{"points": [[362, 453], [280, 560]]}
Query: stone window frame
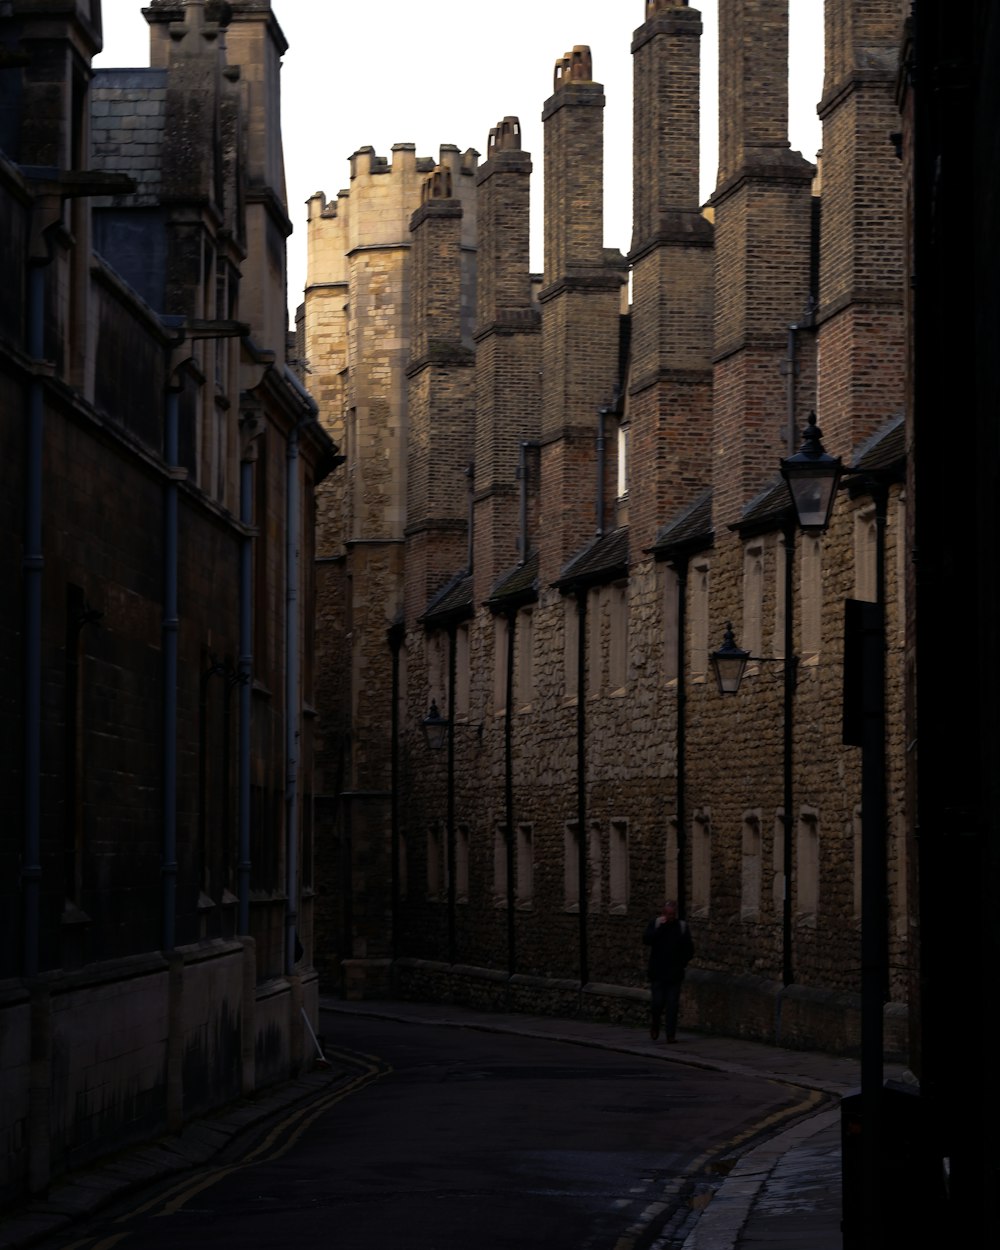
{"points": [[752, 638], [751, 866], [865, 553], [462, 843], [463, 672], [501, 641], [524, 669], [618, 639], [671, 605], [811, 597], [699, 587], [807, 867], [571, 866], [701, 863], [524, 867], [618, 867], [778, 881], [571, 645], [436, 867], [671, 879], [499, 864], [595, 866]]}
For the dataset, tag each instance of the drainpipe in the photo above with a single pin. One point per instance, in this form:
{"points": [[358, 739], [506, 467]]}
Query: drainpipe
{"points": [[581, 774], [791, 434], [681, 569], [169, 631], [508, 746], [245, 671], [450, 831], [292, 497], [293, 702], [33, 563], [601, 459], [396, 635], [470, 474], [522, 477], [791, 667]]}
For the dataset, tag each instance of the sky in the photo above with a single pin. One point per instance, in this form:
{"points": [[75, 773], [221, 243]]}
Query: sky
{"points": [[430, 72]]}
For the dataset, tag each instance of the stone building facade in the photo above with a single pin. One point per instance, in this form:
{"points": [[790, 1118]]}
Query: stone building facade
{"points": [[567, 488], [160, 459]]}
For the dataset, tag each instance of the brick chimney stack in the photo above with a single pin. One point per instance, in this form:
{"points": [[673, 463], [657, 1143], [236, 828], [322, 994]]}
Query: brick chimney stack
{"points": [[581, 307], [670, 397], [508, 351], [763, 232], [861, 247], [441, 390]]}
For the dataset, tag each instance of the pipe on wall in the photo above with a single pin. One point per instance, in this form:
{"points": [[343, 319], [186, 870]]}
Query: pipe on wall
{"points": [[245, 672], [581, 776], [681, 569], [169, 635], [33, 563], [292, 709], [508, 748]]}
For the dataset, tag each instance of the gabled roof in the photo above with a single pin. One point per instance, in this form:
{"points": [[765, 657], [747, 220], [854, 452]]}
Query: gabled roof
{"points": [[452, 603], [604, 560], [767, 511], [886, 449], [691, 530], [517, 587]]}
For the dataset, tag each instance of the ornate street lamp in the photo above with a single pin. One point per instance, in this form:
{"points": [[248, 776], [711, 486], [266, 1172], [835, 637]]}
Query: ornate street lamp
{"points": [[813, 477], [435, 727], [729, 662]]}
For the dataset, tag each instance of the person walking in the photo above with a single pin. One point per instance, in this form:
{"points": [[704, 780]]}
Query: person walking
{"points": [[671, 949]]}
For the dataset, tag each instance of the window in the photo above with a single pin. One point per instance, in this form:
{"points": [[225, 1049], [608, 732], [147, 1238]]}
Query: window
{"points": [[698, 590], [812, 594], [403, 877], [778, 624], [753, 597], [571, 650], [436, 651], [571, 865], [501, 641], [670, 877], [778, 863], [595, 653], [751, 873], [624, 441], [462, 864], [807, 867], [671, 625], [525, 659], [618, 875], [618, 643], [865, 549], [462, 674], [525, 866], [701, 863], [500, 865], [435, 850], [595, 859]]}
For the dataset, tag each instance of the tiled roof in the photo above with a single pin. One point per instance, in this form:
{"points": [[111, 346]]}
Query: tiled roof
{"points": [[769, 509], [453, 602], [691, 529], [605, 559], [518, 586], [885, 449]]}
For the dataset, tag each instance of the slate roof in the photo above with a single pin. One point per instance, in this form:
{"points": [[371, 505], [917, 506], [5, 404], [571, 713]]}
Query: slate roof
{"points": [[452, 603], [518, 586], [885, 449], [605, 559], [691, 530]]}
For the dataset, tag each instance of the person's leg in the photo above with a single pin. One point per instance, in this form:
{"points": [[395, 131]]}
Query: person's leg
{"points": [[672, 1002], [656, 1009]]}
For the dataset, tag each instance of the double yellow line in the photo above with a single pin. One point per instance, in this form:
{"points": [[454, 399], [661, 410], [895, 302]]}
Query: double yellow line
{"points": [[279, 1140]]}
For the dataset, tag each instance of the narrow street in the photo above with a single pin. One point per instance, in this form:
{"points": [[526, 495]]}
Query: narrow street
{"points": [[450, 1138]]}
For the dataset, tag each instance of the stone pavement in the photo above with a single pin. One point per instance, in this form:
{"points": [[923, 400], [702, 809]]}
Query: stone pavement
{"points": [[782, 1195]]}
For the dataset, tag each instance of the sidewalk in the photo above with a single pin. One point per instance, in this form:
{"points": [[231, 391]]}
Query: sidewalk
{"points": [[782, 1195]]}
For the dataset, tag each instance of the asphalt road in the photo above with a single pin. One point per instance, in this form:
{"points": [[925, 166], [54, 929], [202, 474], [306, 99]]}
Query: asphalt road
{"points": [[449, 1139]]}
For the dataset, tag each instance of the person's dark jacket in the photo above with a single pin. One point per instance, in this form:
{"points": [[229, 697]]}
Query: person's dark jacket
{"points": [[670, 949]]}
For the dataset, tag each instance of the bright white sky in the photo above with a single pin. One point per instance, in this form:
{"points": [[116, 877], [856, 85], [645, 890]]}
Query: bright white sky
{"points": [[429, 72]]}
